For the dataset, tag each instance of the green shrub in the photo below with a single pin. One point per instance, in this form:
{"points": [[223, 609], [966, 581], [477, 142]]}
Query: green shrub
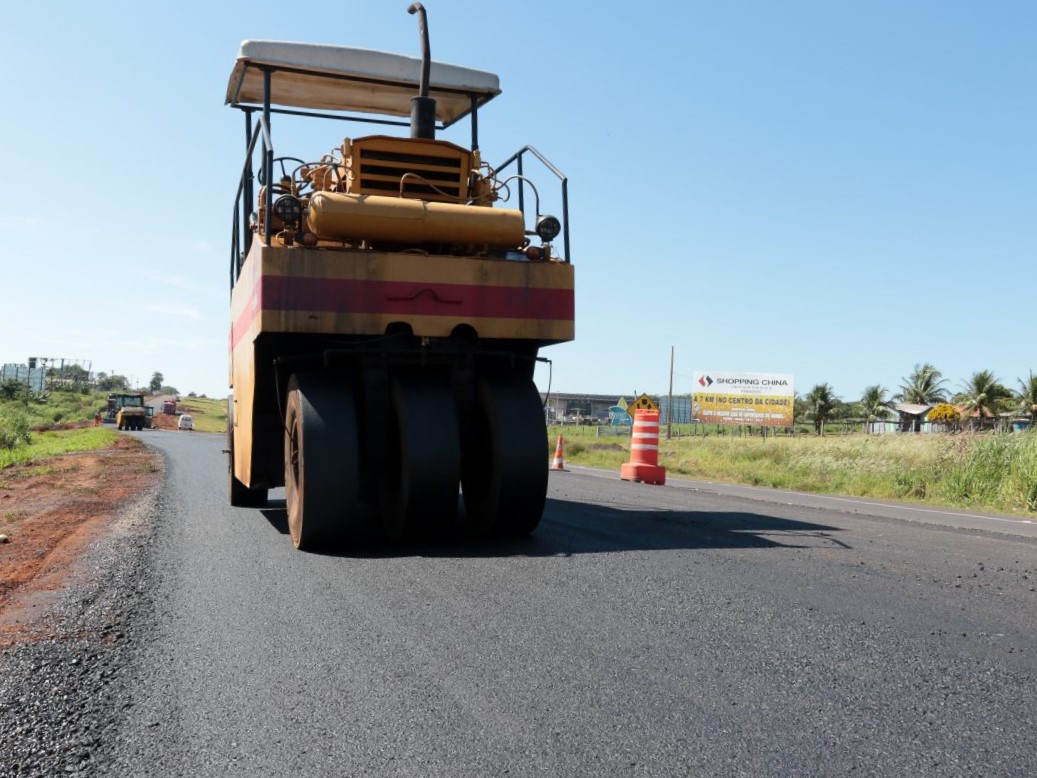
{"points": [[14, 430], [10, 389]]}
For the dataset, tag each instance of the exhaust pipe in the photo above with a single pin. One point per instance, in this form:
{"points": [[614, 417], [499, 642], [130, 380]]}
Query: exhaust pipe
{"points": [[423, 107]]}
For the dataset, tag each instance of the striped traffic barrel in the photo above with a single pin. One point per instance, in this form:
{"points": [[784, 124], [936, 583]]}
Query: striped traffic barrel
{"points": [[644, 450]]}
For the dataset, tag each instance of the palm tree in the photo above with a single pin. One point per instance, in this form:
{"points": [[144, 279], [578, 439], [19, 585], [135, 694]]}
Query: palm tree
{"points": [[821, 405], [924, 386], [799, 408], [1027, 397], [873, 404], [982, 396]]}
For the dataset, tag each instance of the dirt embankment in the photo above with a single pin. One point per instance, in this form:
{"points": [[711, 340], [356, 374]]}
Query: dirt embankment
{"points": [[165, 421], [50, 511]]}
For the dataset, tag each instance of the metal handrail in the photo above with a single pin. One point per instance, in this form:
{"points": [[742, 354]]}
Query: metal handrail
{"points": [[240, 208], [517, 158], [262, 130]]}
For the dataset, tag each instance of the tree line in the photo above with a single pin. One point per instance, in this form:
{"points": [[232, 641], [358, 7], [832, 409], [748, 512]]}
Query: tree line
{"points": [[76, 378], [115, 383], [979, 401]]}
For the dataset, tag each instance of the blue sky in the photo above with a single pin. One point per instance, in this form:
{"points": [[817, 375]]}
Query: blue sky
{"points": [[838, 190]]}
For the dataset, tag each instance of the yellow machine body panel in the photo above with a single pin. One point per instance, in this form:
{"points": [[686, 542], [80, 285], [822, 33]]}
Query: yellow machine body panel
{"points": [[350, 292]]}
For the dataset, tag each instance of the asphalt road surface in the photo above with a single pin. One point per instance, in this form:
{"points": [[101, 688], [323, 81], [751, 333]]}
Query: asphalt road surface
{"points": [[687, 629]]}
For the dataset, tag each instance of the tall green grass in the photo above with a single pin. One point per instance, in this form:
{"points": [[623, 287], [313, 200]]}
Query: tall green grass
{"points": [[998, 470], [982, 472], [55, 408]]}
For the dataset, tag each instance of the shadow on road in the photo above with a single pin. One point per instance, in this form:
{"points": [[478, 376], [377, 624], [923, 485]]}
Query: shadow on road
{"points": [[570, 528]]}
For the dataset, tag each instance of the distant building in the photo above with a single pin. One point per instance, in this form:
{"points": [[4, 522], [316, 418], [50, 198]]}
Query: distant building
{"points": [[594, 408], [912, 416], [579, 408]]}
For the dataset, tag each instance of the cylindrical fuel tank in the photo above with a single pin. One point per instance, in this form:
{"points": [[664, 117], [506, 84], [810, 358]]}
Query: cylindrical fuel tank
{"points": [[339, 216]]}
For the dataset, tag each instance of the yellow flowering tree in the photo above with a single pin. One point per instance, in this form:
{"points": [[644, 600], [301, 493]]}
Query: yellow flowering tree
{"points": [[946, 414]]}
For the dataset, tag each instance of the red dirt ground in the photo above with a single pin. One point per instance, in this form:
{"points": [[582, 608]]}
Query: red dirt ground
{"points": [[163, 421], [50, 512]]}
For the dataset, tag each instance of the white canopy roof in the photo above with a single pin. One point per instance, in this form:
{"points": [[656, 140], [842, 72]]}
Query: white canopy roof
{"points": [[342, 78]]}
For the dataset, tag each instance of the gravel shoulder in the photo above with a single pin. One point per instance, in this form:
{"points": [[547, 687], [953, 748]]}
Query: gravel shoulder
{"points": [[73, 580]]}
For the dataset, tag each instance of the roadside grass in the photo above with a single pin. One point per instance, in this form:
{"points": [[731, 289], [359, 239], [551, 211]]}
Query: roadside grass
{"points": [[26, 433], [55, 442], [999, 469], [209, 414], [57, 407], [981, 472]]}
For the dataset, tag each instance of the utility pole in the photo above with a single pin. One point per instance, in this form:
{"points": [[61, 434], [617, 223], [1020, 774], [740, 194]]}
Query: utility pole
{"points": [[669, 402]]}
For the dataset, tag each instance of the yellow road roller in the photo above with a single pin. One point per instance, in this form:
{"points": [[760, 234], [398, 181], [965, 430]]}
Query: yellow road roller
{"points": [[389, 298]]}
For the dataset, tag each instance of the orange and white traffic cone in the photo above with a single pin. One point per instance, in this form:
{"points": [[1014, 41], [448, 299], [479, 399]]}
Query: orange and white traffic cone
{"points": [[559, 460], [644, 450]]}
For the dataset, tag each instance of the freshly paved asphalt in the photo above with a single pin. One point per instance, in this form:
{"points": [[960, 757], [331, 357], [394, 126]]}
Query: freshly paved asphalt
{"points": [[689, 629]]}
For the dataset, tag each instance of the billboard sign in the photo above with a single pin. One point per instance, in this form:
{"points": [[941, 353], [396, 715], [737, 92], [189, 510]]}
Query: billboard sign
{"points": [[618, 417], [619, 414], [743, 398]]}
